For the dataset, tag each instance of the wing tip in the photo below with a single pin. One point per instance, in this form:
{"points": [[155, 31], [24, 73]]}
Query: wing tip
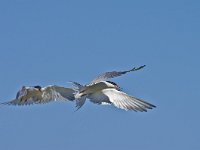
{"points": [[5, 103], [138, 68]]}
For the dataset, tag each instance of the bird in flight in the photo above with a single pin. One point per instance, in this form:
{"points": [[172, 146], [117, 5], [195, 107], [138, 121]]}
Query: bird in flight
{"points": [[101, 91], [39, 95]]}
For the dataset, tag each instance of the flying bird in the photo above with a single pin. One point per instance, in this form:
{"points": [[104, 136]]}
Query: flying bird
{"points": [[39, 95], [101, 91]]}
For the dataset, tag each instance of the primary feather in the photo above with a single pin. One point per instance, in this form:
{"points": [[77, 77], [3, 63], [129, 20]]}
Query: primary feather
{"points": [[112, 74]]}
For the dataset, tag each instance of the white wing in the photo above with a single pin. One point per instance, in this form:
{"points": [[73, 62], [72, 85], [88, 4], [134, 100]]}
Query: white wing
{"points": [[122, 100], [113, 74]]}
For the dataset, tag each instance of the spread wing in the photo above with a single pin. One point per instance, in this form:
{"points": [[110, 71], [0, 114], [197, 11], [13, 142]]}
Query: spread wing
{"points": [[54, 92], [47, 94], [113, 74], [121, 100], [19, 102]]}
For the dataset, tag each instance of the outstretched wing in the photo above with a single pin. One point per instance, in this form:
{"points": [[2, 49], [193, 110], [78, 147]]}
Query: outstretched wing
{"points": [[19, 102], [113, 74], [122, 100], [54, 92]]}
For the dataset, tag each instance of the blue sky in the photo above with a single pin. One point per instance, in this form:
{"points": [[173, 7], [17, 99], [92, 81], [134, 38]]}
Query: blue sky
{"points": [[53, 42]]}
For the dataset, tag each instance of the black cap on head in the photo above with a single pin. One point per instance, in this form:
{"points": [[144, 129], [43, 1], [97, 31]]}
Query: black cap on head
{"points": [[37, 87], [112, 83], [115, 84]]}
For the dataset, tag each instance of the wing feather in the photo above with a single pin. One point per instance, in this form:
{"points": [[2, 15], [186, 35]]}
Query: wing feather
{"points": [[54, 92], [113, 74], [18, 102], [124, 101]]}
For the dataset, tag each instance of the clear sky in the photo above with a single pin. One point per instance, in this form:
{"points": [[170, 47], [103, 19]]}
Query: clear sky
{"points": [[48, 42]]}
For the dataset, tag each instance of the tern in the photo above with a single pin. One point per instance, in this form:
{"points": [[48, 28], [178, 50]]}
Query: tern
{"points": [[101, 91], [39, 95]]}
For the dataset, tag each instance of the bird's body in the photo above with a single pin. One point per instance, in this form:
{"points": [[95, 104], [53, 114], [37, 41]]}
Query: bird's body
{"points": [[37, 95], [100, 91], [92, 88]]}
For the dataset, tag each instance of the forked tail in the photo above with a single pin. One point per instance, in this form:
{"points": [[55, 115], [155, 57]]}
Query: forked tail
{"points": [[79, 100]]}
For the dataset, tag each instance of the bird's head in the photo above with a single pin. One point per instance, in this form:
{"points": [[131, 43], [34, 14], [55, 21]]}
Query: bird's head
{"points": [[38, 87], [113, 85]]}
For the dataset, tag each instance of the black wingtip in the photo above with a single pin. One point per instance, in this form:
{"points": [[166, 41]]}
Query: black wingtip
{"points": [[77, 108], [4, 104], [135, 69], [154, 106], [140, 67]]}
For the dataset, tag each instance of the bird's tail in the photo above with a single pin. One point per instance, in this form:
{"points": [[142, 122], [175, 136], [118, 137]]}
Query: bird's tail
{"points": [[80, 100]]}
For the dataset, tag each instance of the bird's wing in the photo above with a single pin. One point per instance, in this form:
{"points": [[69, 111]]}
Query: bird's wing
{"points": [[19, 102], [77, 85], [54, 92], [124, 101], [47, 94], [113, 74]]}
